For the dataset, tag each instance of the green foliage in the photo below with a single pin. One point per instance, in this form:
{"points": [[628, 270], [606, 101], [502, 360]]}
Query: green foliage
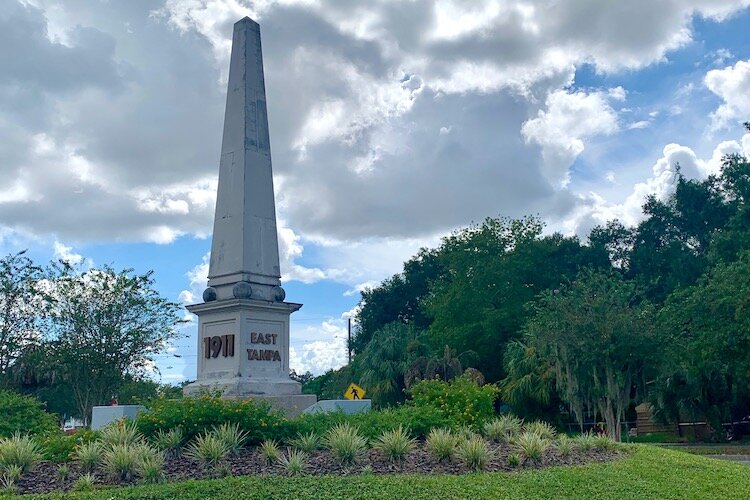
{"points": [[503, 428], [12, 472], [605, 443], [169, 442], [294, 462], [395, 444], [585, 441], [198, 415], [89, 455], [232, 437], [120, 461], [514, 459], [207, 450], [122, 432], [461, 400], [24, 414], [564, 445], [63, 472], [60, 447], [346, 443], [307, 443], [269, 450], [150, 466], [442, 443], [531, 445], [84, 483], [474, 453], [19, 450], [541, 429]]}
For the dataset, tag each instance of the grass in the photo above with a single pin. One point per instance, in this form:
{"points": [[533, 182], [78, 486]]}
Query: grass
{"points": [[648, 472]]}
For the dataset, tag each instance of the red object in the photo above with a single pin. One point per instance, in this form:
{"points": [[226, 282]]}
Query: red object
{"points": [[113, 402]]}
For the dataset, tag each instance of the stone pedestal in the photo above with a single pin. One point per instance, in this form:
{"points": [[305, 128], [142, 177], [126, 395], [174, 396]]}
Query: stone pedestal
{"points": [[243, 348]]}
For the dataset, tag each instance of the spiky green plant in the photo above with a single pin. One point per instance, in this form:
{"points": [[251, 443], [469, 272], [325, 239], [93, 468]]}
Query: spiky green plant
{"points": [[294, 462], [585, 442], [150, 466], [122, 432], [84, 483], [89, 455], [465, 433], [7, 485], [120, 461], [514, 459], [269, 450], [503, 428], [13, 472], [207, 449], [20, 450], [531, 445], [395, 444], [346, 443], [169, 442], [63, 472], [474, 453], [541, 429], [306, 442], [605, 443], [442, 443], [564, 445], [232, 437]]}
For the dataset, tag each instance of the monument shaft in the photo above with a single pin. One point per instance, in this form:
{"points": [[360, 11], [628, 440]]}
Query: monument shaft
{"points": [[243, 324]]}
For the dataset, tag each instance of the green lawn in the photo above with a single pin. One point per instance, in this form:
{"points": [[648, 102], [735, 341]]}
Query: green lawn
{"points": [[648, 472]]}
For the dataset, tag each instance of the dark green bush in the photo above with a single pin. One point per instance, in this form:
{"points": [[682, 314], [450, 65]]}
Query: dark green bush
{"points": [[24, 414], [196, 415], [461, 400], [60, 447]]}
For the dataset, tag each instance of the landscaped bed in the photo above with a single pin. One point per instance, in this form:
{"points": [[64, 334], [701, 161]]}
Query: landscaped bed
{"points": [[44, 478], [641, 472]]}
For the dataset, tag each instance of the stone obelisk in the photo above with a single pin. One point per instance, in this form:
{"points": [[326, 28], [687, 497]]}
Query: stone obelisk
{"points": [[243, 324]]}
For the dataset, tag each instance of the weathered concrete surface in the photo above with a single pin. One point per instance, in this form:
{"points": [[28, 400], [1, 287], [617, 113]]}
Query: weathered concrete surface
{"points": [[101, 416], [349, 407], [291, 405]]}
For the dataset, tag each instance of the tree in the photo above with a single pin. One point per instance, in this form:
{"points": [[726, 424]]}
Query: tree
{"points": [[706, 332], [19, 307], [597, 334], [105, 328], [529, 387]]}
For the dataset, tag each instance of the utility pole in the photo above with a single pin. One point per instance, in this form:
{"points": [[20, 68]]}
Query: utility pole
{"points": [[349, 341]]}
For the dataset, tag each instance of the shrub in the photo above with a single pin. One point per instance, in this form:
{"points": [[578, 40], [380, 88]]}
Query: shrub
{"points": [[541, 429], [514, 459], [442, 443], [60, 447], [372, 424], [7, 485], [306, 442], [169, 442], [198, 415], [474, 453], [24, 414], [532, 445], [460, 400], [63, 471], [564, 445], [121, 433], [269, 450], [89, 455], [232, 437], [19, 450], [346, 443], [503, 428], [84, 483], [395, 444], [465, 432], [121, 461], [13, 472], [207, 449], [150, 466], [294, 462], [604, 443], [585, 442]]}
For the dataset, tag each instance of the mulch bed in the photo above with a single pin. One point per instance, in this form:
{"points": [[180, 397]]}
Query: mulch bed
{"points": [[44, 478]]}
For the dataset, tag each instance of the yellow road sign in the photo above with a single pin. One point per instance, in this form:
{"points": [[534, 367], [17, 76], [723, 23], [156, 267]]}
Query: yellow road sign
{"points": [[354, 392]]}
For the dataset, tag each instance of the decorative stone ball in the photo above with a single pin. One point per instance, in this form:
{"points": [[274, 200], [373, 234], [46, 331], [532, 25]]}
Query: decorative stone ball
{"points": [[278, 294], [209, 294], [242, 290]]}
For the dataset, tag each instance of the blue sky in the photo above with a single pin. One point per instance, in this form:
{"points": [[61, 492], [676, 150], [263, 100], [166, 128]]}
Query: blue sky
{"points": [[392, 123]]}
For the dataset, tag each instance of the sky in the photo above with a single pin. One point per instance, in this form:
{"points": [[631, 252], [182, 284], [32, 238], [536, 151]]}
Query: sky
{"points": [[392, 123]]}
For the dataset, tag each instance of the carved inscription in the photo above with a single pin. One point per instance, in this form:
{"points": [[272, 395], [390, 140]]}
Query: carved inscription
{"points": [[213, 346], [263, 354]]}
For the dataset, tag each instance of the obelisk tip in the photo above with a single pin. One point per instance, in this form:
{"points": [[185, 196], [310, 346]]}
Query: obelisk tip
{"points": [[245, 20]]}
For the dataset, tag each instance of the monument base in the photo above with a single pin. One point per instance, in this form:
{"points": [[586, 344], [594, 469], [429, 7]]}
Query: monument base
{"points": [[291, 405]]}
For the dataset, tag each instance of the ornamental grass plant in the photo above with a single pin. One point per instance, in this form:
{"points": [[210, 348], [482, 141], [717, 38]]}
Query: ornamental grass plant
{"points": [[19, 450], [207, 449], [169, 442], [89, 455], [232, 436], [531, 445], [122, 432], [307, 443], [346, 443], [503, 429], [541, 429], [395, 444], [294, 462], [474, 453], [120, 461], [269, 450], [442, 443]]}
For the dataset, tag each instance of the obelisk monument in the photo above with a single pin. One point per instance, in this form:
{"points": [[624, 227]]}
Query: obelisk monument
{"points": [[243, 324]]}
